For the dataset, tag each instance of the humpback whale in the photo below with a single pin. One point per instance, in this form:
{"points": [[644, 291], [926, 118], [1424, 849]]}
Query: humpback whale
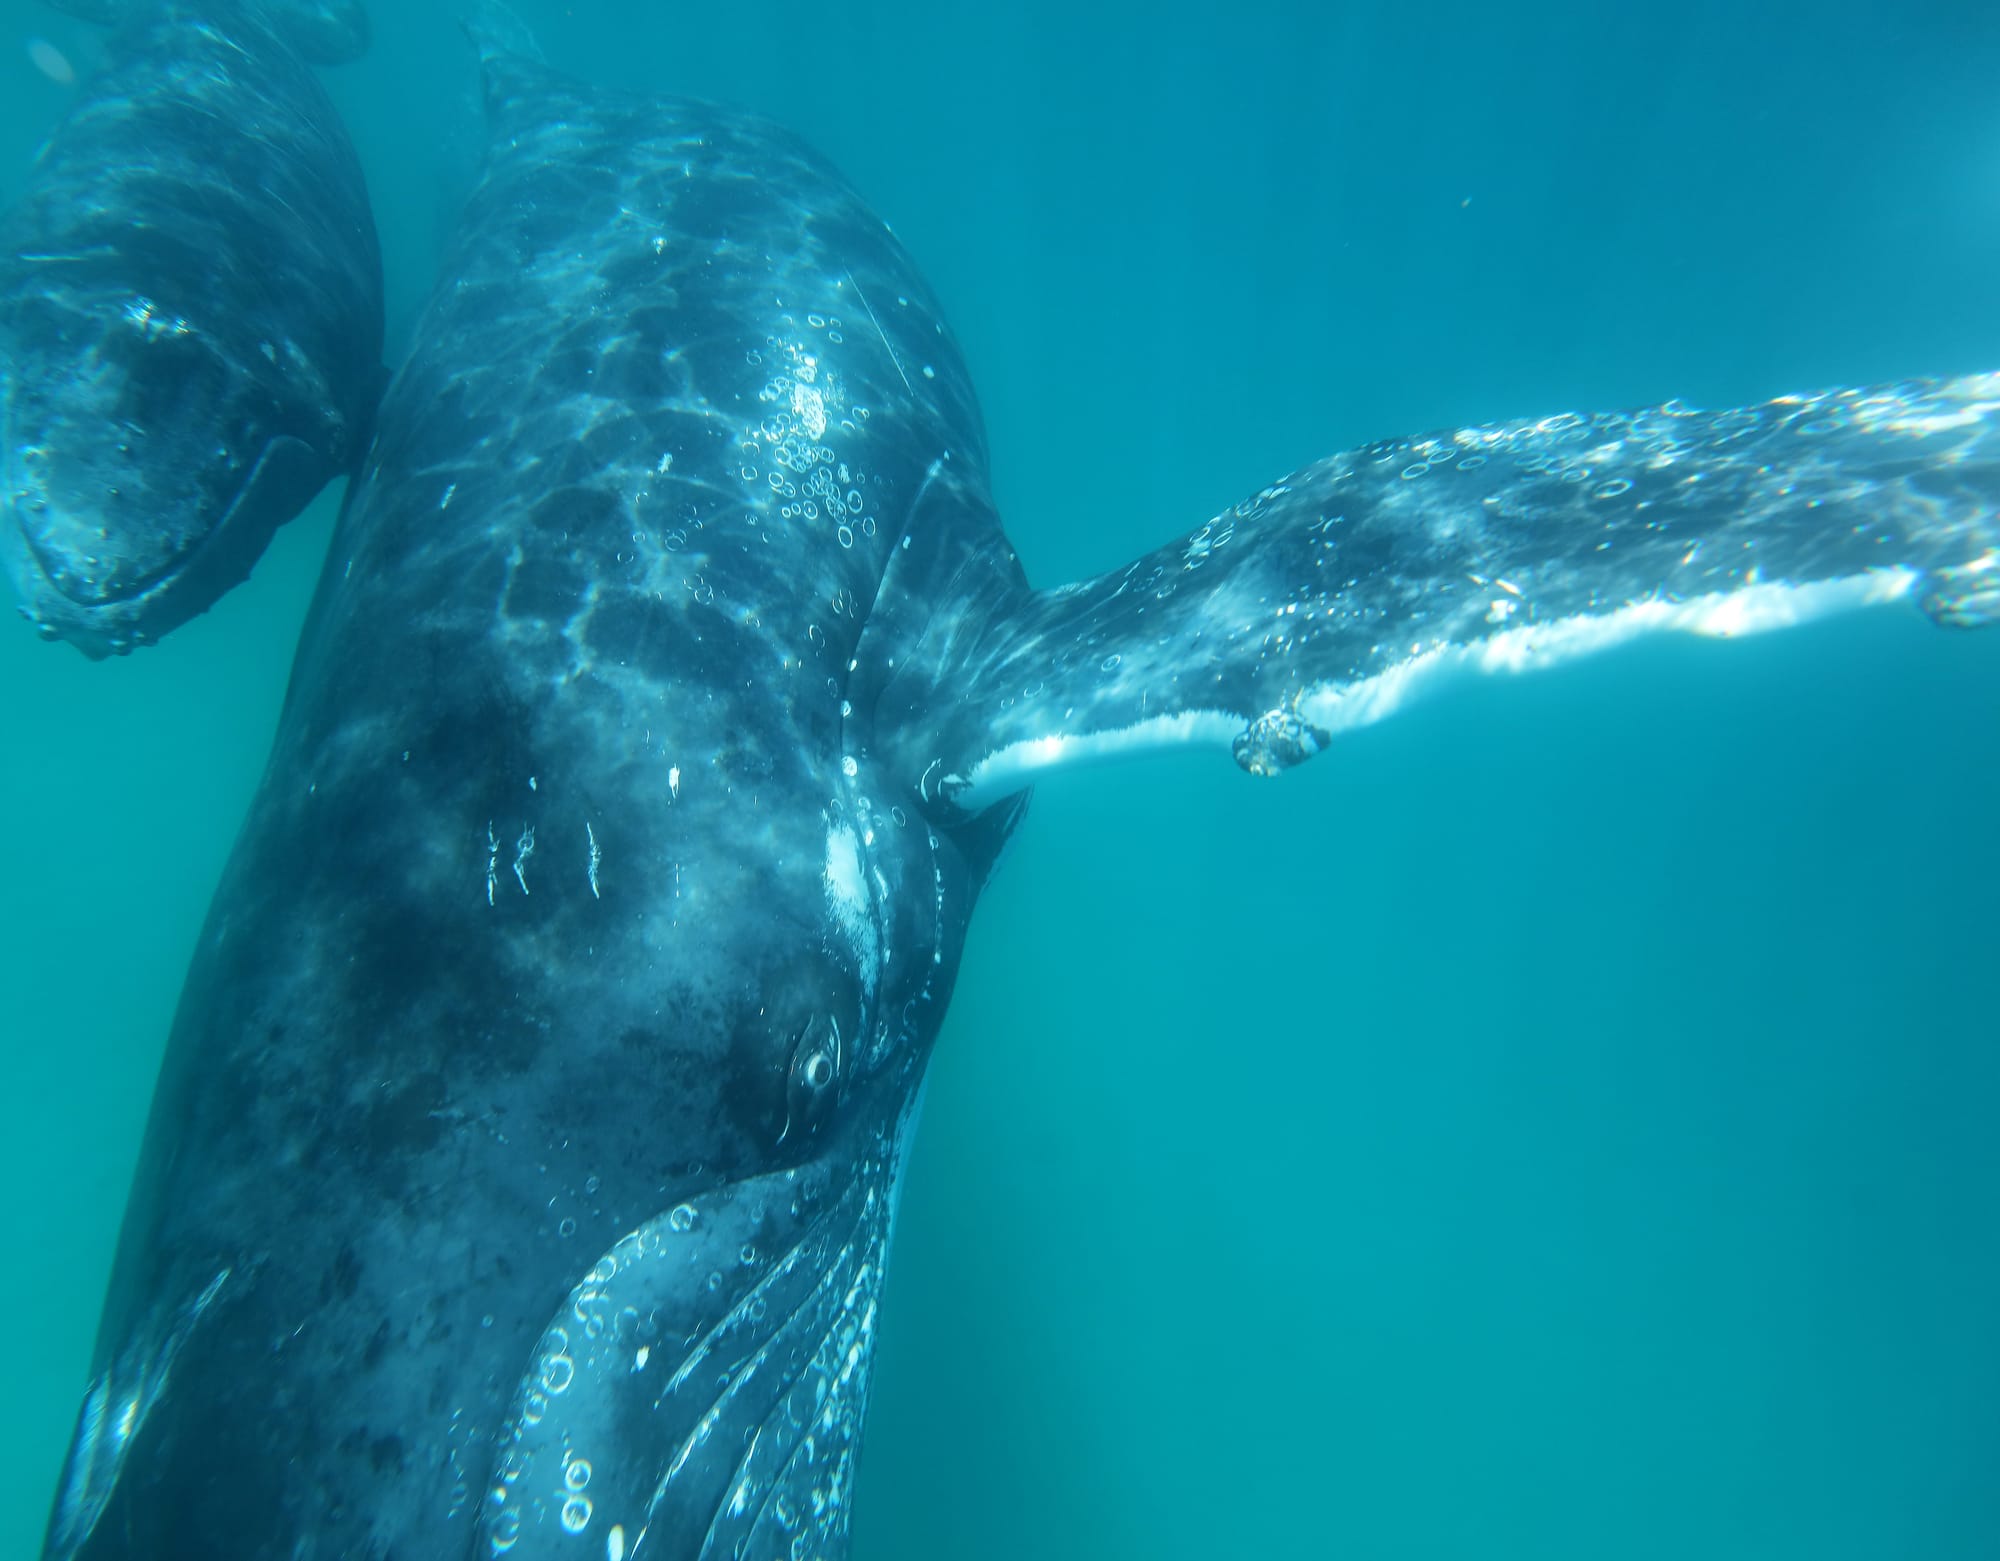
{"points": [[190, 318], [522, 1172]]}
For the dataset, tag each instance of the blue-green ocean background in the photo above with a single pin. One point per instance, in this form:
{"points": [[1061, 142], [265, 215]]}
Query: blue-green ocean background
{"points": [[1561, 1122]]}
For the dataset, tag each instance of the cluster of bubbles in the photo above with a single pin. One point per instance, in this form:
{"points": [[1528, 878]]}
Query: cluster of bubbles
{"points": [[805, 474]]}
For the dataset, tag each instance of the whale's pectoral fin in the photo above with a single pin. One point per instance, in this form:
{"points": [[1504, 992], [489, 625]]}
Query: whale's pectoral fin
{"points": [[703, 1387], [1335, 595], [116, 1406]]}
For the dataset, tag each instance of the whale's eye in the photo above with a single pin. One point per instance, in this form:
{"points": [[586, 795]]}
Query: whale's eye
{"points": [[812, 1084]]}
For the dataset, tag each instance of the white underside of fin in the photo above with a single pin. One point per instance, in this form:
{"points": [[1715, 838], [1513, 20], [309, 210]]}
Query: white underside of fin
{"points": [[1337, 707], [1530, 647], [1002, 773]]}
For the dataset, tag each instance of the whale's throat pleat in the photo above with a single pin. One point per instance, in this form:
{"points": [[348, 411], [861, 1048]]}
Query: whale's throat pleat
{"points": [[702, 1388]]}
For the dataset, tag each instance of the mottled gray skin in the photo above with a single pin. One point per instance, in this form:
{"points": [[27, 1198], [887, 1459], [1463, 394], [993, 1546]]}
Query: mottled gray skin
{"points": [[190, 326], [673, 408], [521, 1173]]}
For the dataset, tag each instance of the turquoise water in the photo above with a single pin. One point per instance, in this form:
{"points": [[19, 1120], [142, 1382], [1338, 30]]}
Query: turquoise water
{"points": [[1561, 1122]]}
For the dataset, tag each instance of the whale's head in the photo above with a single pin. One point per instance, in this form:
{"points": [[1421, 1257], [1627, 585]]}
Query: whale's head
{"points": [[142, 471]]}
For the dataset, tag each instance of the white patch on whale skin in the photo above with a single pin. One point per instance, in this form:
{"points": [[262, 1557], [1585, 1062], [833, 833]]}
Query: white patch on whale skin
{"points": [[847, 900]]}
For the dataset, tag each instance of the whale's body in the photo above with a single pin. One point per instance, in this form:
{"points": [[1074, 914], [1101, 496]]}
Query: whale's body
{"points": [[523, 1167], [568, 816]]}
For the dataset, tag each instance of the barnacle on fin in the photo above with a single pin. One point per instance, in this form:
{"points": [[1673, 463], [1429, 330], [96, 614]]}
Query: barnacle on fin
{"points": [[1275, 741]]}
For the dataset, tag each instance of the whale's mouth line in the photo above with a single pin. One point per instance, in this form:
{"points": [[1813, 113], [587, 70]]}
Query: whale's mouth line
{"points": [[278, 484], [178, 563], [114, 597]]}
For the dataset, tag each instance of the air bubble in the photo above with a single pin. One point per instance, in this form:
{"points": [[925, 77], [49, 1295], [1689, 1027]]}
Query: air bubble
{"points": [[682, 1217], [558, 1372], [1613, 488], [567, 1227], [577, 1474], [576, 1514], [844, 536], [848, 767], [1110, 663]]}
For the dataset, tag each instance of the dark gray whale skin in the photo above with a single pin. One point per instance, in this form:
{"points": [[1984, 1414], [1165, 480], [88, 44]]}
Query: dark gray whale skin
{"points": [[561, 940], [190, 325], [521, 1173]]}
